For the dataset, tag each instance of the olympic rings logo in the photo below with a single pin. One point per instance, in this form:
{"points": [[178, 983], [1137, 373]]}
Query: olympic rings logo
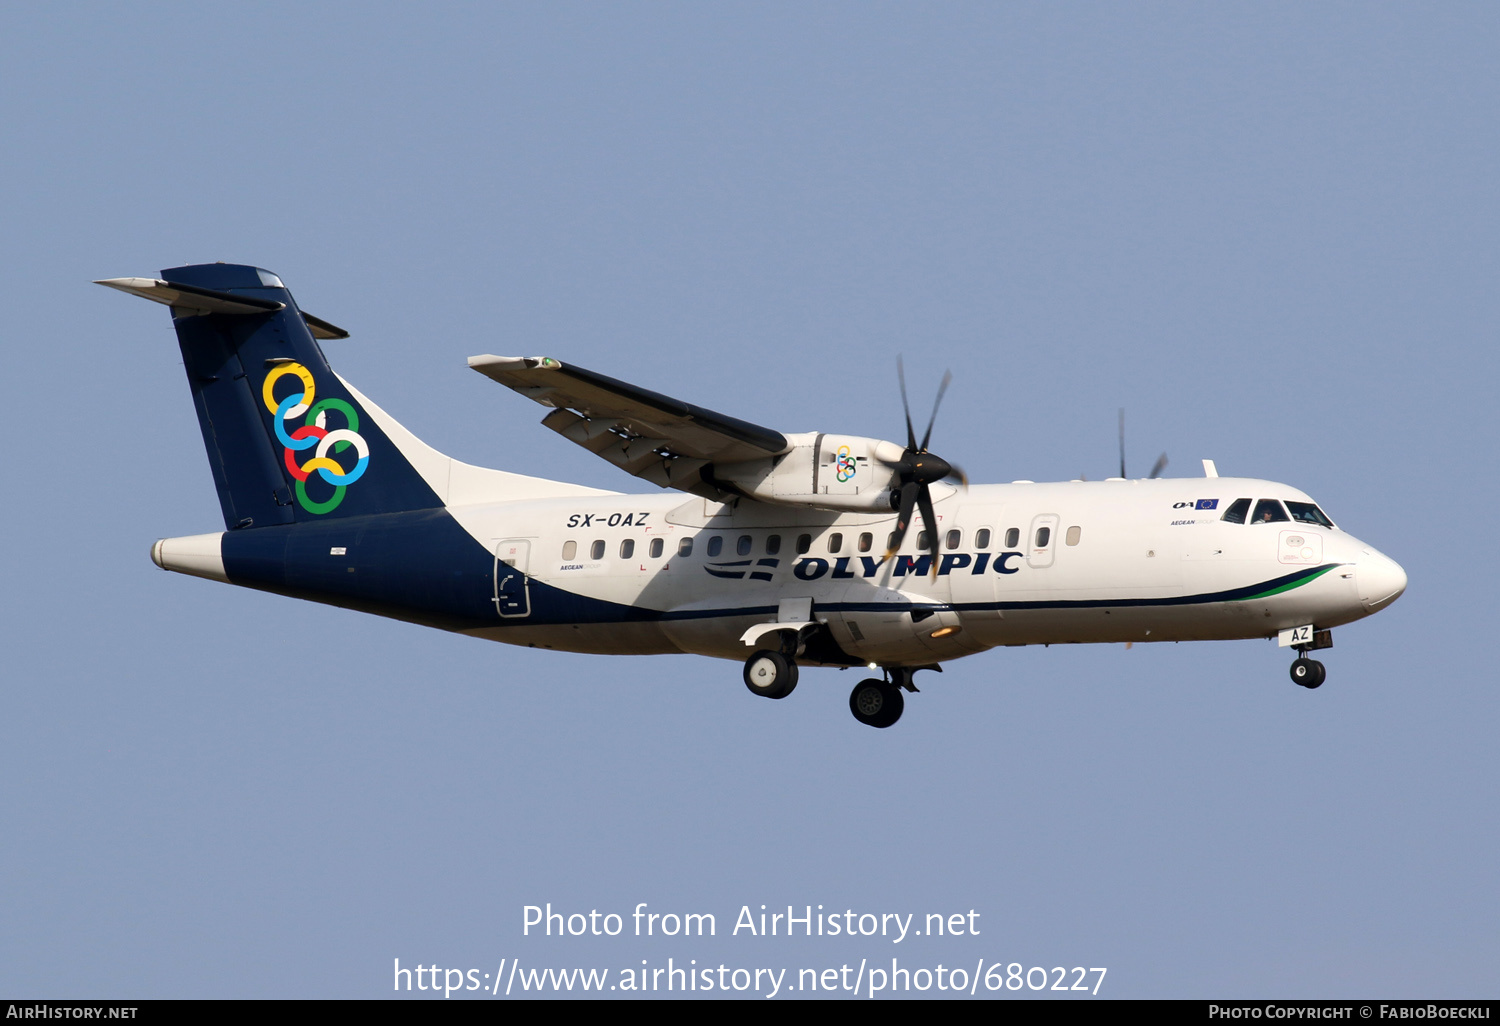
{"points": [[844, 465], [314, 434]]}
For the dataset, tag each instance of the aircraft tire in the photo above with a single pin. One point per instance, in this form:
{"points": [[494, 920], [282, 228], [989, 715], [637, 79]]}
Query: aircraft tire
{"points": [[1308, 672], [876, 703], [770, 674]]}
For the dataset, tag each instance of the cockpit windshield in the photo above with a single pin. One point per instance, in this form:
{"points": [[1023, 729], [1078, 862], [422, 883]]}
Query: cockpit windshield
{"points": [[1237, 511], [1308, 513], [1268, 511]]}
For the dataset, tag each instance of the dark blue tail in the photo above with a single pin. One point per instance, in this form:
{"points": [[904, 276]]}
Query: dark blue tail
{"points": [[288, 443]]}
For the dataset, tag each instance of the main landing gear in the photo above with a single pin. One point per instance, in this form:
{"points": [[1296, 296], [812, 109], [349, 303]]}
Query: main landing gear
{"points": [[879, 703], [876, 703], [772, 673]]}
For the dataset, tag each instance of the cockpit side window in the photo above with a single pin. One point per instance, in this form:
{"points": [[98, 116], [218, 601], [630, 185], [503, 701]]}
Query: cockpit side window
{"points": [[1268, 511], [1235, 514], [1308, 513]]}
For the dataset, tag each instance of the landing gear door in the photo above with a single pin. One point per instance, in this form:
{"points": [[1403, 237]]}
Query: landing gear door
{"points": [[512, 586]]}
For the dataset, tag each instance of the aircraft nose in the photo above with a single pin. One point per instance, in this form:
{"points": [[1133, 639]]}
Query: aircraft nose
{"points": [[1381, 580]]}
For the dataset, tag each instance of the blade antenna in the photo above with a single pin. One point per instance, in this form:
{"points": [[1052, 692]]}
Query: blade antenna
{"points": [[1122, 441]]}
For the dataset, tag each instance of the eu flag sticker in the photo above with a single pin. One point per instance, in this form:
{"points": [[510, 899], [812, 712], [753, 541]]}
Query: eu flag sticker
{"points": [[1207, 504]]}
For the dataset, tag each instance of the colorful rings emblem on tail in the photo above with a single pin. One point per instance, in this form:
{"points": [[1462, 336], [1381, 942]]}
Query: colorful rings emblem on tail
{"points": [[314, 435]]}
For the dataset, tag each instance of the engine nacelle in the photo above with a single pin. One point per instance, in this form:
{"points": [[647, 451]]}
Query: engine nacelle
{"points": [[836, 472]]}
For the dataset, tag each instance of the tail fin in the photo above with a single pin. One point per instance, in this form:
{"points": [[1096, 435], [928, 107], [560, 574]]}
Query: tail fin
{"points": [[287, 440]]}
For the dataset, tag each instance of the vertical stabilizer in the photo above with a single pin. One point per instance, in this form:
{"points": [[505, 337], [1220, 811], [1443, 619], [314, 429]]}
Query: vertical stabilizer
{"points": [[286, 440]]}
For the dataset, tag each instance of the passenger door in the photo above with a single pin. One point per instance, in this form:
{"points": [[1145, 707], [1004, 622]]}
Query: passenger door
{"points": [[512, 591]]}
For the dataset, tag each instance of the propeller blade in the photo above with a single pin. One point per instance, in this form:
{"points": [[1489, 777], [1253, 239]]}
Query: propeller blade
{"points": [[955, 471], [911, 435], [1122, 441], [903, 517], [929, 520], [1161, 464], [947, 377]]}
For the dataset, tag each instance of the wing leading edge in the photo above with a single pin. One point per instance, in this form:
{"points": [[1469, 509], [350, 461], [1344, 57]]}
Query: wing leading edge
{"points": [[652, 436]]}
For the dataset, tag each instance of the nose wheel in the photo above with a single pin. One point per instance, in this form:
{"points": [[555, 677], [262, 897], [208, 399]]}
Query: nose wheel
{"points": [[1308, 672]]}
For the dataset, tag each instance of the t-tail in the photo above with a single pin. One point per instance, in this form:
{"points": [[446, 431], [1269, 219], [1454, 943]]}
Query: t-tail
{"points": [[325, 496], [288, 441]]}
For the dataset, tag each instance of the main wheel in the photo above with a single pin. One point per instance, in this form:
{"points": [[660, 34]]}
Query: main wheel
{"points": [[1308, 672], [876, 703], [770, 674]]}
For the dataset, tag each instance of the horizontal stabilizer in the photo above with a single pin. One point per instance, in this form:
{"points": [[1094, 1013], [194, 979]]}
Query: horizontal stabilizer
{"points": [[192, 301]]}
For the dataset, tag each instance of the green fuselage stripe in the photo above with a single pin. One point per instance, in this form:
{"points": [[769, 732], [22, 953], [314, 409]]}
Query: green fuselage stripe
{"points": [[1288, 586]]}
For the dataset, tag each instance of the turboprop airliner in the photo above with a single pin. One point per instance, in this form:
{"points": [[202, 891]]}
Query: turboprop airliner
{"points": [[777, 550]]}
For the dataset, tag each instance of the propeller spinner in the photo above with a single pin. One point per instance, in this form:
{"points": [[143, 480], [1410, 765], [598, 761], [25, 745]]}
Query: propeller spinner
{"points": [[916, 471]]}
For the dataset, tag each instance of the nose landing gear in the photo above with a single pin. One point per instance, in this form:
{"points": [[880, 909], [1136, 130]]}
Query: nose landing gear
{"points": [[1308, 672]]}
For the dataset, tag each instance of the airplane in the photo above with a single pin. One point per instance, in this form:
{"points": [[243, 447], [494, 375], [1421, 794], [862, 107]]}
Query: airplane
{"points": [[777, 550]]}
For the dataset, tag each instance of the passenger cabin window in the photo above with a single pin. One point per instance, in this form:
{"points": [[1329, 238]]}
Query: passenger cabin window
{"points": [[954, 537], [596, 550], [685, 547], [627, 548], [804, 542], [657, 545], [1307, 513], [1268, 511], [1074, 533], [835, 542], [1012, 537], [1043, 537], [1236, 512], [982, 538], [865, 541], [743, 545], [924, 542], [715, 546], [570, 551], [773, 544]]}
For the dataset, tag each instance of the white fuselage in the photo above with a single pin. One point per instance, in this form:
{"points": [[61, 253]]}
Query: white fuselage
{"points": [[1110, 561]]}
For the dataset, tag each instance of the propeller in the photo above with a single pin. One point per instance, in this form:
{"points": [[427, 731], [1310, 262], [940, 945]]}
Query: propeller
{"points": [[1156, 469], [917, 470]]}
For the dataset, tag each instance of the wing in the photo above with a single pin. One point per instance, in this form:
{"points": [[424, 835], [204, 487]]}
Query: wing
{"points": [[655, 437]]}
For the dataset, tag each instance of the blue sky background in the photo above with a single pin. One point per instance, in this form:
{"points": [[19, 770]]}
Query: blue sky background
{"points": [[1267, 230]]}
